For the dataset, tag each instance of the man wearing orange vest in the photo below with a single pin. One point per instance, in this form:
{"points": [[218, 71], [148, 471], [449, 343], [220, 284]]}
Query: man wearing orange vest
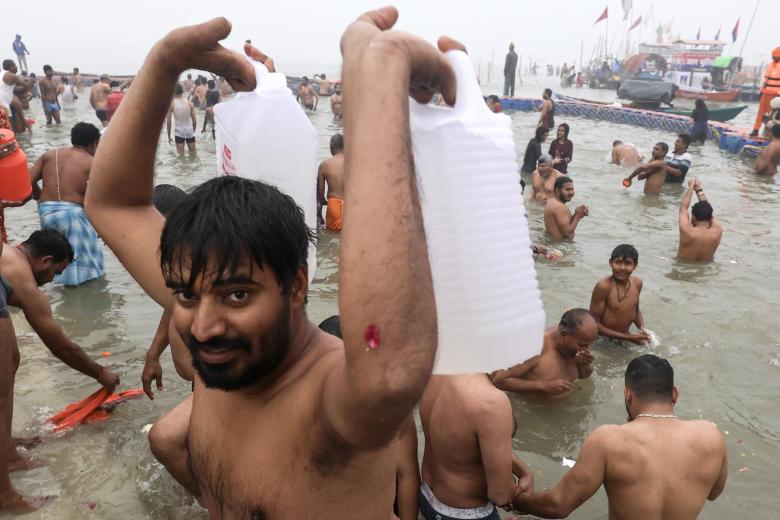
{"points": [[770, 89]]}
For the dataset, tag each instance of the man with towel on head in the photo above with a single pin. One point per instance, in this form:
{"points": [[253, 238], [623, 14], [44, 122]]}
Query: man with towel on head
{"points": [[65, 172]]}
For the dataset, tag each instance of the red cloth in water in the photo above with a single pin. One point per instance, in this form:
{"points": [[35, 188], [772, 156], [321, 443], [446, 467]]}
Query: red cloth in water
{"points": [[96, 407]]}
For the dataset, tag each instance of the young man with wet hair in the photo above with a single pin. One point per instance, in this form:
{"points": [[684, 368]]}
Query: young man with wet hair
{"points": [[700, 233], [653, 173], [51, 107], [279, 406], [559, 222], [657, 465], [547, 111], [615, 300], [678, 161], [565, 357]]}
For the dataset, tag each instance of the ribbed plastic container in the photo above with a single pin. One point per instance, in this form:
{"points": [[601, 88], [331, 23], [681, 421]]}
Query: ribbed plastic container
{"points": [[14, 173], [264, 135], [489, 307]]}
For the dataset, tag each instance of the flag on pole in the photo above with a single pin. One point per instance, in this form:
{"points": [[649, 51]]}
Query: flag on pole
{"points": [[698, 34], [636, 23], [603, 16], [717, 35], [626, 8], [734, 32]]}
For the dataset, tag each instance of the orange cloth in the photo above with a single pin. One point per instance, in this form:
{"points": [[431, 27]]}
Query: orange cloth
{"points": [[769, 90], [763, 108], [334, 213], [96, 407]]}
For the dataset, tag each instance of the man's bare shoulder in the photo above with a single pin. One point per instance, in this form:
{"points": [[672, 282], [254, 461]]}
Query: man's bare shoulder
{"points": [[637, 282], [487, 402], [604, 284], [607, 437]]}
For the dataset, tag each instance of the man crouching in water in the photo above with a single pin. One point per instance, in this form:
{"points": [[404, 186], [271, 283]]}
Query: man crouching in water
{"points": [[655, 466], [285, 421]]}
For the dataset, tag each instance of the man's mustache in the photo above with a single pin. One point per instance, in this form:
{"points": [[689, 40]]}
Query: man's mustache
{"points": [[219, 343]]}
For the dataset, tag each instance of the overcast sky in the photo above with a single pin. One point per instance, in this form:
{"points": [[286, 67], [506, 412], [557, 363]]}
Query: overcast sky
{"points": [[303, 35]]}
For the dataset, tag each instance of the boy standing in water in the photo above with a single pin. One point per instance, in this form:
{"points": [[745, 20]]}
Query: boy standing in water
{"points": [[615, 300]]}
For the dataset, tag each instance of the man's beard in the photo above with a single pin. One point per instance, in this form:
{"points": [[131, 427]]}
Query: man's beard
{"points": [[236, 375]]}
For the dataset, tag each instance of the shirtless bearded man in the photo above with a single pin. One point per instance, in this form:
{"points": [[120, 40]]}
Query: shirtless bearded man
{"points": [[277, 402]]}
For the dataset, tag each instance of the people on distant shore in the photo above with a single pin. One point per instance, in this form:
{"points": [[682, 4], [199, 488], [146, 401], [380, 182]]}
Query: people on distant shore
{"points": [[330, 175], [700, 233], [533, 149], [543, 179], [559, 222], [565, 357], [562, 149], [625, 154], [653, 173], [615, 300], [766, 163], [65, 174], [185, 122], [654, 466]]}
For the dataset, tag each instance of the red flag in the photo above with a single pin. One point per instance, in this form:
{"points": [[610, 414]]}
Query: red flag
{"points": [[734, 32], [603, 16], [636, 24]]}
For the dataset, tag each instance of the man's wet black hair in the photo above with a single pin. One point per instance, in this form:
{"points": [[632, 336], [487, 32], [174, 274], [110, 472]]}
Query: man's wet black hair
{"points": [[332, 326], [560, 181], [336, 143], [7, 64], [179, 90], [49, 242], [615, 143], [165, 198], [626, 252], [228, 219], [685, 139], [702, 211], [664, 146], [84, 134], [776, 130], [572, 319], [493, 98], [651, 378], [47, 68], [211, 83], [540, 131]]}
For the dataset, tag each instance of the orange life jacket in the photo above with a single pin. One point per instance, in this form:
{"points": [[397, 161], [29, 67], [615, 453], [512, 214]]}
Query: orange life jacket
{"points": [[772, 79]]}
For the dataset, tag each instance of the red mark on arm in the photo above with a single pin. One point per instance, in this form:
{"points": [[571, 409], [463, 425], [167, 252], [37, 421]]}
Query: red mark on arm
{"points": [[371, 335]]}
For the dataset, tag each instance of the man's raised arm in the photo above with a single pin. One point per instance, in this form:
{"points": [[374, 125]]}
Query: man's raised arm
{"points": [[119, 196], [386, 293]]}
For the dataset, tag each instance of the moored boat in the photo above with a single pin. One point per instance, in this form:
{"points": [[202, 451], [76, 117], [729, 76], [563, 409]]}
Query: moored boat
{"points": [[709, 95]]}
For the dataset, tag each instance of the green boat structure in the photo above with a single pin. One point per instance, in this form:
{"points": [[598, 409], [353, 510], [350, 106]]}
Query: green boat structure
{"points": [[716, 114]]}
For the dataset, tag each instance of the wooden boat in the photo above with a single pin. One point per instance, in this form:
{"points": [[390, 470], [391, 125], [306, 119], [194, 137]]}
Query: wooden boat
{"points": [[716, 114], [709, 95]]}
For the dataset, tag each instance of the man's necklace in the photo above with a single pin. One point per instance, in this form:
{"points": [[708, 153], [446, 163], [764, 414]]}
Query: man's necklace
{"points": [[657, 415]]}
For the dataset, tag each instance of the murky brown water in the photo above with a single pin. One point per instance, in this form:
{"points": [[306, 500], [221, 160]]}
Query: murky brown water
{"points": [[713, 321]]}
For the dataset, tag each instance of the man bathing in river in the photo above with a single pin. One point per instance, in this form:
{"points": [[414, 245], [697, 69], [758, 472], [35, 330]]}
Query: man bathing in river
{"points": [[331, 174], [615, 300], [766, 163], [654, 466], [51, 107], [653, 173], [276, 400], [700, 233], [98, 96], [558, 220], [468, 466], [625, 154], [24, 269], [543, 178], [565, 357], [336, 102]]}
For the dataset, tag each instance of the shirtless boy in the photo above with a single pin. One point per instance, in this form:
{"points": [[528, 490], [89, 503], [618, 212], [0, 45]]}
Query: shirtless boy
{"points": [[279, 406], [336, 102], [468, 464], [766, 163], [565, 357], [653, 173], [543, 178], [98, 95], [558, 220], [654, 466], [51, 107], [331, 173], [615, 300], [700, 233], [624, 154]]}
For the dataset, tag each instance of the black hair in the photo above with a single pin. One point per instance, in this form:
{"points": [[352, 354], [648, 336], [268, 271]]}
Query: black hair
{"points": [[75, 70], [179, 89], [189, 76], [572, 319], [664, 146], [565, 129], [113, 83], [332, 326], [650, 378], [493, 98], [166, 196], [7, 64], [702, 211], [49, 242], [560, 181], [625, 251], [65, 80], [548, 91], [84, 134], [539, 132], [615, 143], [211, 83], [32, 74], [776, 130], [336, 143], [230, 218], [686, 139], [47, 68], [701, 109]]}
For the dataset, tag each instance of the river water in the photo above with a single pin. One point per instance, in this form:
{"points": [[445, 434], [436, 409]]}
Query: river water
{"points": [[713, 323]]}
